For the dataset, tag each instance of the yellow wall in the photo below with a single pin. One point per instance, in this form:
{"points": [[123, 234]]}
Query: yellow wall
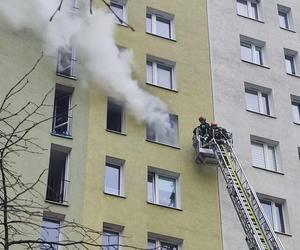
{"points": [[198, 224]]}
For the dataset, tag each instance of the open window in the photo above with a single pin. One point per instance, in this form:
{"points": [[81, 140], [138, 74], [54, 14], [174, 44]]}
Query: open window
{"points": [[119, 7], [62, 115], [66, 63], [115, 116], [58, 174]]}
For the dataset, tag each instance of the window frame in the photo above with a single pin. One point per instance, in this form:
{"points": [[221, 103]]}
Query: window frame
{"points": [[115, 163], [292, 64], [164, 139], [123, 4], [154, 185], [64, 188], [154, 15], [286, 13], [69, 92], [275, 219], [113, 229], [113, 101], [254, 49], [295, 102], [264, 99], [73, 62], [266, 146], [159, 240], [255, 15], [154, 63], [59, 228]]}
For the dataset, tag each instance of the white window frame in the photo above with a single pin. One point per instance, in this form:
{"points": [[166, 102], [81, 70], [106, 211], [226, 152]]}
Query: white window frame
{"points": [[59, 228], [266, 144], [159, 239], [165, 63], [253, 48], [295, 101], [250, 13], [66, 186], [292, 57], [123, 118], [116, 229], [70, 111], [73, 63], [260, 92], [121, 164], [156, 173], [289, 24], [274, 217], [123, 4], [163, 15]]}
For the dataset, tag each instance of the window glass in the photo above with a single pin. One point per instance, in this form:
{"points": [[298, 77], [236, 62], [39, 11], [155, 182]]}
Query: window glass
{"points": [[118, 9], [242, 8], [50, 233], [283, 19], [290, 64], [114, 119], [61, 119], [258, 55], [252, 100], [167, 191], [258, 157], [163, 27], [110, 240], [254, 10], [268, 210], [112, 179], [149, 72], [164, 76], [246, 52], [279, 216], [168, 246], [296, 112], [149, 23], [272, 158], [151, 187], [265, 104], [151, 244]]}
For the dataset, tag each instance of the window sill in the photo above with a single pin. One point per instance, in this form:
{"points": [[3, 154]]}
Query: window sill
{"points": [[293, 31], [115, 132], [285, 234], [68, 77], [62, 136], [260, 65], [270, 116], [163, 144], [65, 204], [157, 86], [268, 170], [159, 205], [115, 195], [166, 38], [293, 75], [250, 18]]}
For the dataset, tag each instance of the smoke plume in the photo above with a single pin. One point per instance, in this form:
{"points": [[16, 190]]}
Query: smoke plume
{"points": [[100, 59]]}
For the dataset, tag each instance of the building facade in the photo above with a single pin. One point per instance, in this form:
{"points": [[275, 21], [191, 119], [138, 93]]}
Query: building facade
{"points": [[105, 170], [254, 58]]}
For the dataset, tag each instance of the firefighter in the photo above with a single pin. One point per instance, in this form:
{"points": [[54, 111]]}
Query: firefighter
{"points": [[220, 134], [202, 130]]}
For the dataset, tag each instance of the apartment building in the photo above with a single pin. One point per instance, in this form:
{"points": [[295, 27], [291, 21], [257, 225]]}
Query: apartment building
{"points": [[255, 75], [105, 169]]}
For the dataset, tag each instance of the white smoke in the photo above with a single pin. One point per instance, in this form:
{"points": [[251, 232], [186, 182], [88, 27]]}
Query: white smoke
{"points": [[100, 58]]}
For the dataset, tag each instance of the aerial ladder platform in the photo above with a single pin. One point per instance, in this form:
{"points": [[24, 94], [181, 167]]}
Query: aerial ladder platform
{"points": [[259, 232]]}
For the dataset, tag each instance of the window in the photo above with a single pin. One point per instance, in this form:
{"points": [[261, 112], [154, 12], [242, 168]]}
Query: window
{"points": [[252, 52], [50, 233], [62, 115], [285, 17], [291, 61], [115, 116], [162, 242], [66, 63], [274, 213], [58, 174], [258, 100], [168, 137], [111, 239], [264, 155], [248, 8], [114, 176], [119, 7], [161, 72], [160, 23], [163, 187], [296, 109]]}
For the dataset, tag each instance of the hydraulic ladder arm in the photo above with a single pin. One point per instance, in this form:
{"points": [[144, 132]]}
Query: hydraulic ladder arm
{"points": [[259, 232]]}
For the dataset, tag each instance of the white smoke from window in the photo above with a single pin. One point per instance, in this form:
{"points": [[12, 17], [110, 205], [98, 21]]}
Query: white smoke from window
{"points": [[100, 58]]}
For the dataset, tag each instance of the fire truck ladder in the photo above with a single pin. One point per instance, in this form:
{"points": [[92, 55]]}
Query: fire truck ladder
{"points": [[259, 232]]}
